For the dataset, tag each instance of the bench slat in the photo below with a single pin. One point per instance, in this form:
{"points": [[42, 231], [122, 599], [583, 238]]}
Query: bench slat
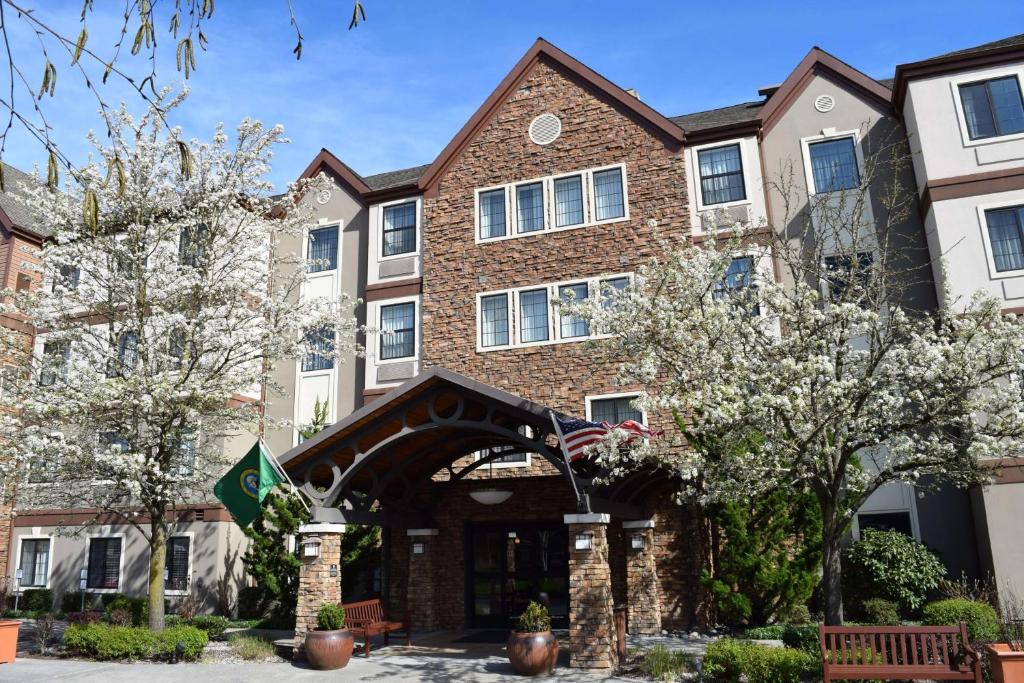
{"points": [[938, 653]]}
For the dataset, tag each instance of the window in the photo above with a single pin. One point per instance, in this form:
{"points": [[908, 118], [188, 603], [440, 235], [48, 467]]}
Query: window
{"points": [[611, 288], [34, 562], [400, 229], [614, 410], [104, 569], [398, 331], [1006, 236], [738, 283], [176, 564], [494, 320], [533, 315], [609, 202], [54, 353], [320, 354], [192, 245], [23, 283], [993, 108], [834, 165], [721, 175], [322, 250], [842, 270], [68, 276], [176, 342], [886, 521], [530, 207], [492, 214], [571, 325], [111, 440], [127, 356], [184, 464], [568, 201], [8, 383]]}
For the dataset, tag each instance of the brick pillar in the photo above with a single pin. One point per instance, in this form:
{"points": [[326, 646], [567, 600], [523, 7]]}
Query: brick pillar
{"points": [[319, 577], [591, 620], [421, 594], [643, 605]]}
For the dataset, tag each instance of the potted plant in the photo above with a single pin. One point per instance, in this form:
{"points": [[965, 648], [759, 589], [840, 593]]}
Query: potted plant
{"points": [[8, 639], [1006, 660], [532, 647], [330, 645]]}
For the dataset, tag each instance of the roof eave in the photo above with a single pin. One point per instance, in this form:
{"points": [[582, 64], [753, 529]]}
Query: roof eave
{"points": [[937, 66], [335, 167]]}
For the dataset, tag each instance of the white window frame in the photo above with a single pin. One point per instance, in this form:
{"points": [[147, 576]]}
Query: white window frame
{"points": [[915, 527], [340, 225], [191, 554], [49, 560], [418, 201], [961, 118], [120, 569], [381, 305], [554, 315], [826, 135], [548, 188], [477, 455], [697, 191], [589, 400], [983, 225]]}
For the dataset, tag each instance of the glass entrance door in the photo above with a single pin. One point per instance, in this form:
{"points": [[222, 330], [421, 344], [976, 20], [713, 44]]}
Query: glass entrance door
{"points": [[509, 565]]}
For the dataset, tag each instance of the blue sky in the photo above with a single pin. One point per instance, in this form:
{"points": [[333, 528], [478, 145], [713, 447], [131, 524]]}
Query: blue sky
{"points": [[392, 92]]}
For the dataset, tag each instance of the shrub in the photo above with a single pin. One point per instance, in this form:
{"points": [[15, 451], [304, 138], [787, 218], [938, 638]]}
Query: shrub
{"points": [[799, 614], [214, 626], [137, 609], [251, 604], [37, 600], [252, 649], [71, 601], [983, 623], [330, 617], [663, 664], [881, 612], [84, 617], [119, 616], [892, 566], [534, 619], [803, 637], [192, 639], [103, 641], [772, 632], [728, 660]]}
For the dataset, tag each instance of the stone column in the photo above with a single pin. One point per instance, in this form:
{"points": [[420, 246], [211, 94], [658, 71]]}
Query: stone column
{"points": [[591, 620], [319, 576], [421, 595], [643, 605]]}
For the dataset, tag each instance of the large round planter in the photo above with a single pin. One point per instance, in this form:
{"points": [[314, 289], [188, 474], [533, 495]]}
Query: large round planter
{"points": [[326, 650], [8, 640], [532, 654], [1007, 665]]}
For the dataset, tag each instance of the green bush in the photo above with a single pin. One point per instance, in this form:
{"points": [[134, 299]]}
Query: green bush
{"points": [[71, 601], [892, 566], [983, 625], [534, 619], [330, 617], [193, 639], [213, 625], [803, 637], [880, 612], [137, 608], [103, 641], [727, 660], [251, 603], [36, 600], [663, 664], [772, 632]]}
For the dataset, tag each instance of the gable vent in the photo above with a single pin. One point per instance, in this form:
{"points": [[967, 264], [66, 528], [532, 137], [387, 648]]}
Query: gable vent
{"points": [[824, 103], [545, 129]]}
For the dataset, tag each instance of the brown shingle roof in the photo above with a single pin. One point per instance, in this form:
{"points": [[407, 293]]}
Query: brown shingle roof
{"points": [[390, 179], [12, 200], [1012, 41], [715, 118]]}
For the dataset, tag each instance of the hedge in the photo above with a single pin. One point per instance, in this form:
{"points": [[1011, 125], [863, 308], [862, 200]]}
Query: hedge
{"points": [[983, 625], [137, 608], [103, 641], [36, 600], [214, 626], [728, 661], [803, 637]]}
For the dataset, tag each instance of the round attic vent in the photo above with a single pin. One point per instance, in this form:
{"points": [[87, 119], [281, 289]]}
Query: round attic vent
{"points": [[824, 103], [545, 129]]}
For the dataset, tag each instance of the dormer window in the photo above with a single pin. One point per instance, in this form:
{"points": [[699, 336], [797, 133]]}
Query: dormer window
{"points": [[993, 108], [399, 229]]}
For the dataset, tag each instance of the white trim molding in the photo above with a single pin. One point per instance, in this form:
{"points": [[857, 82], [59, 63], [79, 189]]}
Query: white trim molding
{"points": [[191, 535], [958, 105], [120, 570], [994, 274], [34, 536]]}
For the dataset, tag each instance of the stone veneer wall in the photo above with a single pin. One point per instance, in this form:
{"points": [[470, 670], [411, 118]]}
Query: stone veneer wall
{"points": [[317, 586], [642, 601], [591, 621]]}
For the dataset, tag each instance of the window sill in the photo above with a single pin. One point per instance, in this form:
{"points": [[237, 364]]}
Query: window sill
{"points": [[395, 257], [546, 342], [995, 139], [548, 231]]}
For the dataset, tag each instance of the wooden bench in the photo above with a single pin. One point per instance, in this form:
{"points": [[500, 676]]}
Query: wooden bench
{"points": [[941, 653], [366, 619]]}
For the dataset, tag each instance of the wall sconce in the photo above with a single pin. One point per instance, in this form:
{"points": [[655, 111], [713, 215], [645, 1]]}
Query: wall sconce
{"points": [[417, 548], [636, 542], [334, 570], [311, 547], [585, 541]]}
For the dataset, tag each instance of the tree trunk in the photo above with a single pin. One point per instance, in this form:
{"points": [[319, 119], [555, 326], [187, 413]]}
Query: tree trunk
{"points": [[157, 561], [832, 571]]}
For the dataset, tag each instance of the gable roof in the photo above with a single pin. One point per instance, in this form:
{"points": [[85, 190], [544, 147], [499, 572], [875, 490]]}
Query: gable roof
{"points": [[390, 180], [14, 213], [328, 163], [542, 49], [819, 62], [986, 54]]}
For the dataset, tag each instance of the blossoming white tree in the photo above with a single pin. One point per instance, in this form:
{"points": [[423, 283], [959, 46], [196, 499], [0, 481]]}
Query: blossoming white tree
{"points": [[160, 319], [802, 358]]}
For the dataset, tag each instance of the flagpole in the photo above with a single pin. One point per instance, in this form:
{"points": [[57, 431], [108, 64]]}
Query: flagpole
{"points": [[565, 453], [280, 470]]}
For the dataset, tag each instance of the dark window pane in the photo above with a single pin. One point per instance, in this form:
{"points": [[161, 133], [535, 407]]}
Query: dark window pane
{"points": [[842, 271], [1006, 236], [494, 320], [614, 410], [104, 563], [322, 252], [568, 201], [738, 283], [70, 276], [571, 325], [608, 199], [886, 521], [321, 353], [492, 214], [56, 356], [993, 108], [721, 175], [530, 207], [834, 165], [400, 229], [35, 559], [533, 315], [192, 245], [177, 563], [398, 331], [127, 356]]}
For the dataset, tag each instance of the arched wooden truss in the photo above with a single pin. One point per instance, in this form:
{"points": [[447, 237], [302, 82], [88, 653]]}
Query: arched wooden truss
{"points": [[391, 461]]}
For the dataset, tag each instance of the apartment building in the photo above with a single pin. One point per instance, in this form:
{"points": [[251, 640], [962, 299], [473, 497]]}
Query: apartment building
{"points": [[460, 260]]}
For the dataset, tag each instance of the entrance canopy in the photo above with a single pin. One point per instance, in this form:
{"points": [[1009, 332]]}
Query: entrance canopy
{"points": [[379, 464]]}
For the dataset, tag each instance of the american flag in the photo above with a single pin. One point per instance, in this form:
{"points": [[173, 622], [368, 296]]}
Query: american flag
{"points": [[578, 434]]}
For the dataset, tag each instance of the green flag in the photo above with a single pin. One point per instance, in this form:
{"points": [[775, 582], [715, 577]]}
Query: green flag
{"points": [[246, 484]]}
